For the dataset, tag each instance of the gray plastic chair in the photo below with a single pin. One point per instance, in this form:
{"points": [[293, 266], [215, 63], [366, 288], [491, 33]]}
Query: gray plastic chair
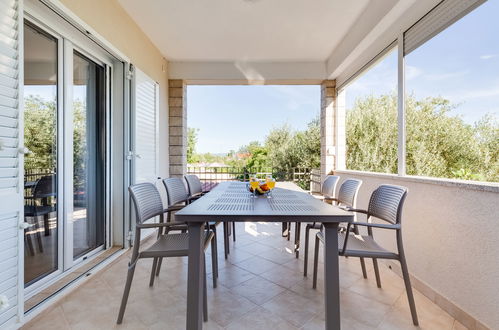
{"points": [[328, 189], [178, 197], [195, 189], [148, 204], [386, 204], [347, 198]]}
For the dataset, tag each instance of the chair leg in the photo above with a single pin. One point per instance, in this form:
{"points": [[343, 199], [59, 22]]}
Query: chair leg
{"points": [[233, 231], [29, 243], [297, 239], [316, 261], [158, 267], [153, 271], [46, 224], [284, 229], [408, 288], [214, 261], [129, 278], [363, 266], [376, 272], [205, 295], [215, 248], [289, 231], [305, 263]]}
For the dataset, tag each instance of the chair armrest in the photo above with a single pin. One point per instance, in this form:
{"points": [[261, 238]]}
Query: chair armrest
{"points": [[351, 209], [155, 225], [173, 208], [377, 225]]}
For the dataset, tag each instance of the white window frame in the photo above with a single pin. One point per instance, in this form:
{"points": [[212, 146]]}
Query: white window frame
{"points": [[70, 39]]}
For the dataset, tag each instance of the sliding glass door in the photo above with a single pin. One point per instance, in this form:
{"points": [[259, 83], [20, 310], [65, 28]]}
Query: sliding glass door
{"points": [[66, 107], [89, 155], [41, 127]]}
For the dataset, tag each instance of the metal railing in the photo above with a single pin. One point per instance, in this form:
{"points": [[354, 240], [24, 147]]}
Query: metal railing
{"points": [[302, 176]]}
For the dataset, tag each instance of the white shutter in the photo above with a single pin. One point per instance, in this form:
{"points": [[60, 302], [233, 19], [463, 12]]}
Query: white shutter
{"points": [[11, 167], [146, 128], [437, 20]]}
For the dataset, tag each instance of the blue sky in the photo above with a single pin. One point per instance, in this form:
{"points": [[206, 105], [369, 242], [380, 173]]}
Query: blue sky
{"points": [[229, 117]]}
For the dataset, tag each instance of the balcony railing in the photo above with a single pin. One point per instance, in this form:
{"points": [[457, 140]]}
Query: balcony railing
{"points": [[306, 178]]}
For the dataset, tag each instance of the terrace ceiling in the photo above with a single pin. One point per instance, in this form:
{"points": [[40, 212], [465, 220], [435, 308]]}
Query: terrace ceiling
{"points": [[249, 35]]}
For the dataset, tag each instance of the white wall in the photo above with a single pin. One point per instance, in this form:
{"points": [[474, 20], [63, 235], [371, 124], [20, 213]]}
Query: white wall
{"points": [[451, 238]]}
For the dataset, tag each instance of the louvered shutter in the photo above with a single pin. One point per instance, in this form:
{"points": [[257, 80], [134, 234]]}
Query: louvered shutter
{"points": [[146, 128], [437, 20], [11, 168]]}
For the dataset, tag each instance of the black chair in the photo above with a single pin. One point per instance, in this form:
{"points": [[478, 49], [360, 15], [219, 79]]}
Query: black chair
{"points": [[386, 204], [148, 204], [347, 197], [39, 203]]}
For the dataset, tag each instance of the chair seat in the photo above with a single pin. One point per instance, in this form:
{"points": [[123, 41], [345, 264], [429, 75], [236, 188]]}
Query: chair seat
{"points": [[172, 245], [169, 245], [32, 210], [361, 246]]}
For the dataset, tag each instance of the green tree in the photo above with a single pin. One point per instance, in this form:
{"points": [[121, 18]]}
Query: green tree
{"points": [[438, 144], [192, 139]]}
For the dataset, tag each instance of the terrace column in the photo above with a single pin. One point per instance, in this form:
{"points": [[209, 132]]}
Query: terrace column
{"points": [[328, 123], [177, 118]]}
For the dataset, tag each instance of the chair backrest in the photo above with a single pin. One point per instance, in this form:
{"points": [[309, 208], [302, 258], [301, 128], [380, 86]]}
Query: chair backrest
{"points": [[175, 191], [329, 185], [45, 187], [193, 184], [348, 192], [147, 201], [386, 203]]}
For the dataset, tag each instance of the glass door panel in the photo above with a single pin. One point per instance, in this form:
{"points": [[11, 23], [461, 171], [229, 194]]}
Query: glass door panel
{"points": [[89, 151], [40, 164]]}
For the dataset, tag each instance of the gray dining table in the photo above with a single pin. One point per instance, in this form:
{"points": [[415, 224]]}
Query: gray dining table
{"points": [[231, 201]]}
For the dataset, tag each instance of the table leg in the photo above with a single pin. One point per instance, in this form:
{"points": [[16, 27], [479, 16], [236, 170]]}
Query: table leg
{"points": [[331, 277], [195, 277], [226, 239]]}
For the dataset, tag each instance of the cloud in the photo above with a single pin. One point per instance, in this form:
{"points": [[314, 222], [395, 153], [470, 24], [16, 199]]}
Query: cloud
{"points": [[488, 56]]}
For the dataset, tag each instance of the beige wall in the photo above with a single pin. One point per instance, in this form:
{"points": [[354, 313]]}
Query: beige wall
{"points": [[111, 21], [451, 239]]}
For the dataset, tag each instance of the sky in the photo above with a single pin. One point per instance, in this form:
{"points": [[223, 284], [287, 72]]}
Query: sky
{"points": [[229, 117]]}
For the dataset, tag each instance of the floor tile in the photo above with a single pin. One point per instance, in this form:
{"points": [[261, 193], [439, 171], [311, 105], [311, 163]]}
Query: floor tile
{"points": [[292, 307], [258, 290]]}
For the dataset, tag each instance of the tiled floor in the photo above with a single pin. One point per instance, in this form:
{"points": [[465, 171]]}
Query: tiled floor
{"points": [[261, 286]]}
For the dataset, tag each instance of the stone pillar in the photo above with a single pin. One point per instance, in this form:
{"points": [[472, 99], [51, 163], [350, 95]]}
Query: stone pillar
{"points": [[328, 132], [177, 119]]}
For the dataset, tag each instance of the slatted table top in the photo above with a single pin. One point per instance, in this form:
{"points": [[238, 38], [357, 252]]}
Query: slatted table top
{"points": [[231, 201]]}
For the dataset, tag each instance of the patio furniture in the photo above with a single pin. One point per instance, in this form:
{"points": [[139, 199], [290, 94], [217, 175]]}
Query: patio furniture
{"points": [[148, 204], [347, 197], [195, 188], [178, 197], [40, 204], [328, 189], [231, 201], [386, 204]]}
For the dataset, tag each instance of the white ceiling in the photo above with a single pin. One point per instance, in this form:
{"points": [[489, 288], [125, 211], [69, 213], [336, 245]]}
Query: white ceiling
{"points": [[246, 30]]}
